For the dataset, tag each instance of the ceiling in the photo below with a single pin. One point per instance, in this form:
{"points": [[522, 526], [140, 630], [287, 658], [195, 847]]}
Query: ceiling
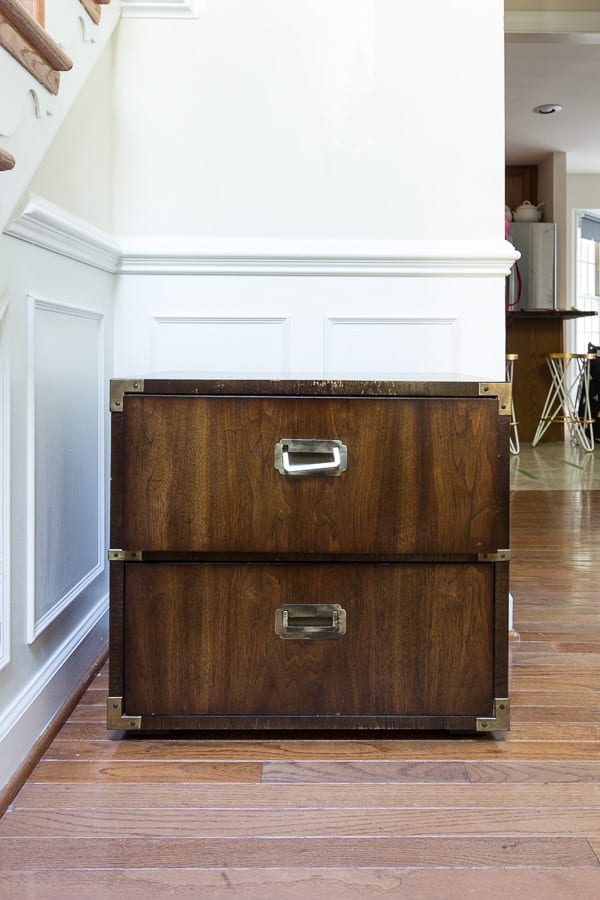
{"points": [[553, 67]]}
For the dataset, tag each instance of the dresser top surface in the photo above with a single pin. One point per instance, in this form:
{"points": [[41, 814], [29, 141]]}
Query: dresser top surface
{"points": [[403, 386]]}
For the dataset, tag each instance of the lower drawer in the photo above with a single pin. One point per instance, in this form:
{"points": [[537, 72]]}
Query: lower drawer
{"points": [[388, 645]]}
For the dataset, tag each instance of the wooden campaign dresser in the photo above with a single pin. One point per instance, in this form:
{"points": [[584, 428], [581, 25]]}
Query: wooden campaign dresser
{"points": [[309, 555]]}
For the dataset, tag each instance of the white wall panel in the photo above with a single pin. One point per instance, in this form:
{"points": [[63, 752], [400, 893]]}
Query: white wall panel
{"points": [[415, 346], [215, 344], [66, 472], [442, 325]]}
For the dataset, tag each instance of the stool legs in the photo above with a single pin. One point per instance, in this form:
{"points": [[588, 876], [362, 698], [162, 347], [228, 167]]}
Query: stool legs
{"points": [[570, 375], [514, 444]]}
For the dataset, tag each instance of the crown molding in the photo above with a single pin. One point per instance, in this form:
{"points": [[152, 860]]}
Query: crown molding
{"points": [[48, 226]]}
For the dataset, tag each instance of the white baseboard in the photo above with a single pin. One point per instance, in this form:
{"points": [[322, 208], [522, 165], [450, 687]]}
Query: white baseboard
{"points": [[36, 704]]}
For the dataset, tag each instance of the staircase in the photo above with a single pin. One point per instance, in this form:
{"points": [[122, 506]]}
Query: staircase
{"points": [[43, 67]]}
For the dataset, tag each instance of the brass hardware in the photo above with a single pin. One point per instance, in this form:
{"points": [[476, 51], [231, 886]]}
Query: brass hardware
{"points": [[498, 556], [329, 457], [310, 621], [500, 721], [115, 718], [121, 386], [502, 390], [125, 555]]}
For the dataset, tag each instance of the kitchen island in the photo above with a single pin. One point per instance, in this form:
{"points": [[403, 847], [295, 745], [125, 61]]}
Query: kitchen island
{"points": [[532, 333]]}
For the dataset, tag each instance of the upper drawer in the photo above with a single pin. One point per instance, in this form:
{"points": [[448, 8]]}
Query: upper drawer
{"points": [[203, 474]]}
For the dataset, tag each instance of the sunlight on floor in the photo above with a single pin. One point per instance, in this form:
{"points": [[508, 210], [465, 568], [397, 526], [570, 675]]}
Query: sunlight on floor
{"points": [[555, 466]]}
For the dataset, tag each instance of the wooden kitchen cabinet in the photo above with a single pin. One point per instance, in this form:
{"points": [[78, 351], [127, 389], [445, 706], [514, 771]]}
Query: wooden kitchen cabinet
{"points": [[309, 555]]}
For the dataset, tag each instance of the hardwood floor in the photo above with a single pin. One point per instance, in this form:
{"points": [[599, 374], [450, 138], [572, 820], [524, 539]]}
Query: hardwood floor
{"points": [[426, 816]]}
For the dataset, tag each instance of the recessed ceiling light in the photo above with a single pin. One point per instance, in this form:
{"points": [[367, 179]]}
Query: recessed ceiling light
{"points": [[546, 109]]}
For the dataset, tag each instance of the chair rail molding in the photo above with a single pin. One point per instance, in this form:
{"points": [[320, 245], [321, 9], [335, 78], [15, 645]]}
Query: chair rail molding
{"points": [[46, 225], [185, 256], [49, 226]]}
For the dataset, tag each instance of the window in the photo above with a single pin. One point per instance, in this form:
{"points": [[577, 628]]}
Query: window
{"points": [[588, 278]]}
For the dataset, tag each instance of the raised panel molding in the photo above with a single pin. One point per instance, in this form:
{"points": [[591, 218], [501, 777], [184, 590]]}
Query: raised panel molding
{"points": [[4, 490], [415, 346], [215, 344], [61, 415]]}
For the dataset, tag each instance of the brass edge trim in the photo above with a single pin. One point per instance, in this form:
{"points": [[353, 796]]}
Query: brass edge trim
{"points": [[121, 386], [115, 718], [125, 555], [498, 556], [500, 721], [500, 389]]}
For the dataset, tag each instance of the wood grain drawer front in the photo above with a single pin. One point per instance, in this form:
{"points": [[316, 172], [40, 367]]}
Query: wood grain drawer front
{"points": [[200, 640], [423, 475]]}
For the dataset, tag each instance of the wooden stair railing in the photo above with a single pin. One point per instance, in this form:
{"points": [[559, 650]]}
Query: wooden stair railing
{"points": [[92, 8], [31, 45], [23, 36], [7, 160]]}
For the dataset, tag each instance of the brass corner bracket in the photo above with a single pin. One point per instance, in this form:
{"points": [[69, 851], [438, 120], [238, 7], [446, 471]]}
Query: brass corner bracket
{"points": [[500, 389], [115, 718], [125, 555], [500, 721], [498, 556], [121, 386]]}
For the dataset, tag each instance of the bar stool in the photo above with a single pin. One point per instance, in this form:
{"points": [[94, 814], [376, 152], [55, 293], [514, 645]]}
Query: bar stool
{"points": [[514, 444], [570, 374]]}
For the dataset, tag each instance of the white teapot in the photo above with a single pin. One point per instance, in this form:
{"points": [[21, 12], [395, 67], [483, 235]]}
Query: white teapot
{"points": [[527, 212]]}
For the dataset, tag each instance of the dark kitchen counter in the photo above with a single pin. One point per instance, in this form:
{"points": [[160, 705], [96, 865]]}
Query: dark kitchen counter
{"points": [[532, 334], [548, 313]]}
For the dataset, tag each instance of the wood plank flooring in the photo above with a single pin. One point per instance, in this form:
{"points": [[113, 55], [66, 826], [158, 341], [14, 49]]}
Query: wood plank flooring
{"points": [[421, 815]]}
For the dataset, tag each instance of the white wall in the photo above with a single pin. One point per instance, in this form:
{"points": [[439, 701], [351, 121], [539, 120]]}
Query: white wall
{"points": [[56, 349], [326, 118], [552, 191], [318, 135], [56, 357], [80, 157]]}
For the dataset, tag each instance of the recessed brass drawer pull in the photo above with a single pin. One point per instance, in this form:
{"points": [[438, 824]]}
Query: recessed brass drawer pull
{"points": [[307, 456], [310, 621]]}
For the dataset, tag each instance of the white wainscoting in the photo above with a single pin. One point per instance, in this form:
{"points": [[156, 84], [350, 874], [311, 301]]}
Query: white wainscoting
{"points": [[66, 456], [4, 489], [240, 344], [419, 345]]}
